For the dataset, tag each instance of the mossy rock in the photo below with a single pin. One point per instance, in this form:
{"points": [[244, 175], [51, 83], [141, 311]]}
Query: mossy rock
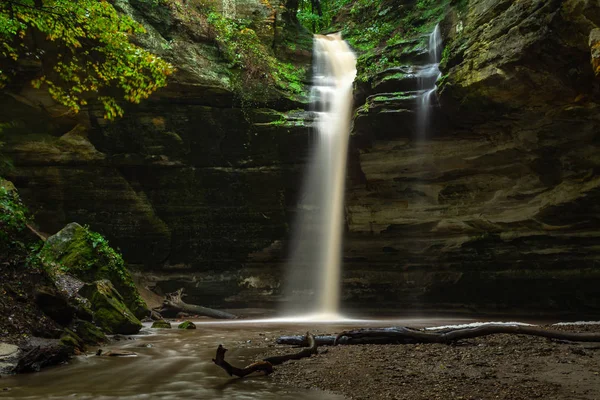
{"points": [[89, 333], [162, 324], [110, 312], [187, 325], [86, 255], [72, 342]]}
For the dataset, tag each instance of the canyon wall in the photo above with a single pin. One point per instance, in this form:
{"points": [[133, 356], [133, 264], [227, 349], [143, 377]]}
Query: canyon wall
{"points": [[495, 208]]}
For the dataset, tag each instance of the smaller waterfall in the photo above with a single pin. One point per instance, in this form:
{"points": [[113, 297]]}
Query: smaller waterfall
{"points": [[428, 78], [229, 9], [314, 267]]}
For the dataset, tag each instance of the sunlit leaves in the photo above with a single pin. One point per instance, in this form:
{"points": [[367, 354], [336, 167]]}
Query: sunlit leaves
{"points": [[84, 49]]}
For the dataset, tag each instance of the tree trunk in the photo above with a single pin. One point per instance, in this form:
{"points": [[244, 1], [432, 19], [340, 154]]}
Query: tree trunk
{"points": [[174, 304], [219, 360], [267, 364], [403, 335]]}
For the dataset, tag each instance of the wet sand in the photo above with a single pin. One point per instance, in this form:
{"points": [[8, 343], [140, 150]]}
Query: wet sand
{"points": [[510, 367]]}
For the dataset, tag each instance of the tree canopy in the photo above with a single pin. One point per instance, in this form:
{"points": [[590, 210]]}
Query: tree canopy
{"points": [[79, 50]]}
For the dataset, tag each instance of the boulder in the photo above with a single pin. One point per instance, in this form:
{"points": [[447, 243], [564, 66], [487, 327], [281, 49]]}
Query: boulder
{"points": [[86, 255], [89, 333], [110, 312], [161, 325], [55, 305], [187, 325]]}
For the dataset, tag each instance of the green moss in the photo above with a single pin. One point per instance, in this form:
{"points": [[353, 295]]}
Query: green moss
{"points": [[110, 312], [162, 324], [87, 255], [89, 333], [14, 216], [385, 35], [187, 325], [72, 341]]}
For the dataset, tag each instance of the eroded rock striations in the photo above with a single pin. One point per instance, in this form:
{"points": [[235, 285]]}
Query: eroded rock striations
{"points": [[193, 180], [495, 208]]}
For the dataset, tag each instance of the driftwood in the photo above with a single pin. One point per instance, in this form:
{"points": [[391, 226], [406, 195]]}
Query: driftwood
{"points": [[219, 359], [404, 335], [266, 365], [312, 349], [173, 304]]}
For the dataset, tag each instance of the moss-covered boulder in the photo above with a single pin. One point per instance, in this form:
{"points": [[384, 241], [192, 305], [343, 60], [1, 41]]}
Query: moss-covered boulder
{"points": [[162, 324], [89, 333], [87, 255], [72, 342], [187, 325], [110, 312]]}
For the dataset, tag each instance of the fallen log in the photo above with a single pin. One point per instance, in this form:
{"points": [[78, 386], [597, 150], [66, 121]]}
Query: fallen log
{"points": [[174, 304], [219, 360], [303, 341], [405, 335], [266, 365], [312, 349]]}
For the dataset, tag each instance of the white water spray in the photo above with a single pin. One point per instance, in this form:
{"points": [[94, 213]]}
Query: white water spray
{"points": [[429, 76], [313, 281]]}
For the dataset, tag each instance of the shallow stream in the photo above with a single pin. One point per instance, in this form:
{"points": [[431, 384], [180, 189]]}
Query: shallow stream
{"points": [[176, 364]]}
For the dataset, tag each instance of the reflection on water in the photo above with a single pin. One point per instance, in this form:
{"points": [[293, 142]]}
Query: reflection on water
{"points": [[176, 364]]}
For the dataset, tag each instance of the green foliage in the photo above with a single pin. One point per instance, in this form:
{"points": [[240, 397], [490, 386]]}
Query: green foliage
{"points": [[242, 48], [87, 255], [384, 33], [13, 214], [83, 49]]}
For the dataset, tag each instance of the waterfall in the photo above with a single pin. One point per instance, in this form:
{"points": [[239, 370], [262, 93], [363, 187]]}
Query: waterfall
{"points": [[313, 281], [428, 77], [229, 9]]}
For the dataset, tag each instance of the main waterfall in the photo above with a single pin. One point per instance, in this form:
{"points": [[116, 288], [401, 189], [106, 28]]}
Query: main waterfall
{"points": [[313, 280]]}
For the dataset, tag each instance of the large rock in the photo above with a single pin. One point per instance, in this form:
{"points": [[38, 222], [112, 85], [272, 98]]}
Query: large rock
{"points": [[55, 305], [110, 312], [86, 255]]}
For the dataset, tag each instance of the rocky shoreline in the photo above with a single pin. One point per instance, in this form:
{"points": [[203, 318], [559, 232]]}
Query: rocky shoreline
{"points": [[507, 367]]}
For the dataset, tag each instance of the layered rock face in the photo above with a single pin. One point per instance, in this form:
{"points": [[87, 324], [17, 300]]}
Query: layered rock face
{"points": [[191, 180], [493, 208], [496, 206]]}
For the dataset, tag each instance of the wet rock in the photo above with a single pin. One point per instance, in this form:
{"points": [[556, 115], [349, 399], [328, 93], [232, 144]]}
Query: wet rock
{"points": [[110, 313], [187, 325], [162, 324], [89, 333], [72, 342], [116, 353], [55, 305], [38, 353], [8, 357]]}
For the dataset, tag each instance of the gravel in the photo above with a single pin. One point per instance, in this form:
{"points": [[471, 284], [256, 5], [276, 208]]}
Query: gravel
{"points": [[511, 367]]}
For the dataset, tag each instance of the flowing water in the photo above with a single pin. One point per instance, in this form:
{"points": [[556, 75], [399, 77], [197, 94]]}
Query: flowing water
{"points": [[313, 282], [176, 364], [428, 78]]}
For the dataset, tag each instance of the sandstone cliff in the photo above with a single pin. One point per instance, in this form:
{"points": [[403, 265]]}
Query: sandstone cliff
{"points": [[494, 209]]}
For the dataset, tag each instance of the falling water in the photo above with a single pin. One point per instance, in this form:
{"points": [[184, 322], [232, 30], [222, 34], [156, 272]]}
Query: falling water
{"points": [[229, 9], [428, 77], [313, 282]]}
